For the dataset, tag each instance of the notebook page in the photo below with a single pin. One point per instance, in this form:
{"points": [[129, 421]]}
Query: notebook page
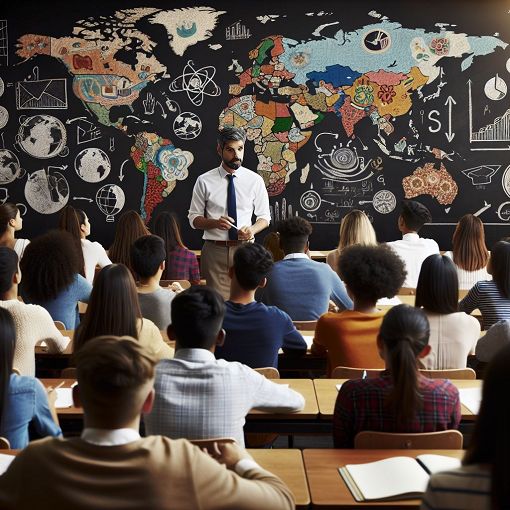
{"points": [[471, 398], [64, 398], [5, 461], [309, 340], [436, 463]]}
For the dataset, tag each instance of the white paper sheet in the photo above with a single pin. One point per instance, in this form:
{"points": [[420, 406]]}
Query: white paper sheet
{"points": [[5, 461], [471, 398], [64, 398]]}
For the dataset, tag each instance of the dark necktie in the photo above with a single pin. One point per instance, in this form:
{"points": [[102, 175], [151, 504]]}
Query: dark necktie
{"points": [[231, 206]]}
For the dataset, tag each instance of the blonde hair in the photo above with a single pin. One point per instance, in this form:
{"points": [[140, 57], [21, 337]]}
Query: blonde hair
{"points": [[356, 228]]}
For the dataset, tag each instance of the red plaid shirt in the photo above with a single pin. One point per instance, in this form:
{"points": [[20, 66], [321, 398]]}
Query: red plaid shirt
{"points": [[182, 264], [360, 405]]}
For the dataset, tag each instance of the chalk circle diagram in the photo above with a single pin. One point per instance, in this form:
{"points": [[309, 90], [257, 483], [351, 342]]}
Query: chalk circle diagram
{"points": [[46, 191], [4, 117], [10, 168], [376, 41], [507, 66], [505, 181], [92, 165], [384, 201], [42, 136], [495, 88], [110, 199], [2, 87], [504, 211], [310, 200], [197, 83], [343, 165], [187, 125]]}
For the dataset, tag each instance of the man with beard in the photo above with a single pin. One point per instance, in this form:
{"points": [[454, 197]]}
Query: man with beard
{"points": [[223, 203]]}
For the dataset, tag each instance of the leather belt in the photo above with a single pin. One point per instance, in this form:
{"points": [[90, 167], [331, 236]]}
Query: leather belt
{"points": [[226, 243]]}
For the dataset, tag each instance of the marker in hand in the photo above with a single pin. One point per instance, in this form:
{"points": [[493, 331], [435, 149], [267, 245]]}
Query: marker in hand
{"points": [[232, 225]]}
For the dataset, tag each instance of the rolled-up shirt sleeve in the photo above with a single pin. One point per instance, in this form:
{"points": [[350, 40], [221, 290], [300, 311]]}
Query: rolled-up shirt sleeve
{"points": [[261, 202], [197, 206]]}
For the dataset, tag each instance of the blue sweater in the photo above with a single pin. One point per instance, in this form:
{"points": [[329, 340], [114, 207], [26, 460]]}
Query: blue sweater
{"points": [[303, 287]]}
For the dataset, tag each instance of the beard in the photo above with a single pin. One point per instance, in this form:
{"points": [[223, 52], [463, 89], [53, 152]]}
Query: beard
{"points": [[234, 164]]}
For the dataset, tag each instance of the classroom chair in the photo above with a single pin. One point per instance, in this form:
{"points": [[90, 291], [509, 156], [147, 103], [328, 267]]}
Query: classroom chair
{"points": [[4, 444], [406, 291], [68, 373], [443, 440], [209, 444], [268, 372], [355, 373], [185, 284], [60, 325], [305, 325], [452, 373], [16, 371]]}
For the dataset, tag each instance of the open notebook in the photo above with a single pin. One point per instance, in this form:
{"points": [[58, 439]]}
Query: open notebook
{"points": [[5, 461], [394, 478]]}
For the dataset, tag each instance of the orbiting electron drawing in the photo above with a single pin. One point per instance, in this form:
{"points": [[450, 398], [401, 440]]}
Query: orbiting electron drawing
{"points": [[197, 83]]}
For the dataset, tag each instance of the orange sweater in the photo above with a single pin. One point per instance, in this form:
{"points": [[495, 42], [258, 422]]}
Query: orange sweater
{"points": [[349, 337]]}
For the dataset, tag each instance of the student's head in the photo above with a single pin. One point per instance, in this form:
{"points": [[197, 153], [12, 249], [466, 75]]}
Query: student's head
{"points": [[294, 233], [438, 285], [371, 272], [9, 269], [499, 266], [355, 228], [49, 265], [271, 243], [469, 250], [10, 217], [7, 345], [166, 226], [148, 255], [413, 216], [115, 381], [252, 263], [231, 146], [403, 338], [197, 317], [113, 307], [75, 222]]}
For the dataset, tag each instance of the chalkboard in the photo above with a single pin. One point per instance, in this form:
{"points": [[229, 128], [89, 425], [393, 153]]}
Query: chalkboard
{"points": [[346, 105]]}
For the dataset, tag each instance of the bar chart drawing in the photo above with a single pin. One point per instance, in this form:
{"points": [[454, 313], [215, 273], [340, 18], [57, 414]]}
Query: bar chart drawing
{"points": [[497, 131], [4, 43], [237, 31]]}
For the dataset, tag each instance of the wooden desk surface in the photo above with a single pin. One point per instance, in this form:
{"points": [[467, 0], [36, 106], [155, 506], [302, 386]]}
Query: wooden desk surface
{"points": [[326, 392], [314, 254], [288, 465], [327, 488]]}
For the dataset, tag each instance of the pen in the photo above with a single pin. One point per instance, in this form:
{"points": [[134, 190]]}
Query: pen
{"points": [[232, 225], [60, 385]]}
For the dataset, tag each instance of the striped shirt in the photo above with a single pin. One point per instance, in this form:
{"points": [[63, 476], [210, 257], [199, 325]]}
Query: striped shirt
{"points": [[466, 488], [489, 300]]}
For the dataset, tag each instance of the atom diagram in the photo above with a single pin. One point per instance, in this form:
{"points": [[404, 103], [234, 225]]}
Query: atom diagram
{"points": [[197, 83]]}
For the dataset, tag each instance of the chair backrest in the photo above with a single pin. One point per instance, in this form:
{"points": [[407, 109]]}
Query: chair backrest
{"points": [[354, 373], [68, 373], [452, 373], [60, 325], [406, 291], [4, 444], [268, 372], [185, 284], [305, 325], [444, 440], [211, 444]]}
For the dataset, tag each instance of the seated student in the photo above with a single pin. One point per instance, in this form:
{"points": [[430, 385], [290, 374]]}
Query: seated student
{"points": [[198, 396], [453, 334], [255, 332], [111, 466], [23, 400], [10, 223], [148, 256], [483, 481], [349, 337], [298, 285], [497, 336], [51, 278], [33, 323], [492, 298], [412, 248], [400, 399], [114, 310]]}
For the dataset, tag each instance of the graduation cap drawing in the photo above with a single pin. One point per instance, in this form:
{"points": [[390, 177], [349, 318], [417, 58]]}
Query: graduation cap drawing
{"points": [[481, 174]]}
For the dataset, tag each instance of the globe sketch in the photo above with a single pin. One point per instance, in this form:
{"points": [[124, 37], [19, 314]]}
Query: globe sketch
{"points": [[110, 199], [187, 125], [9, 166], [42, 136], [92, 165], [46, 191]]}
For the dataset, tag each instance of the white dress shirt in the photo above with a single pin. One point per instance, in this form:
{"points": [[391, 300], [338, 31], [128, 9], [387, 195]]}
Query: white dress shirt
{"points": [[109, 437], [200, 397], [209, 199], [296, 256], [93, 255]]}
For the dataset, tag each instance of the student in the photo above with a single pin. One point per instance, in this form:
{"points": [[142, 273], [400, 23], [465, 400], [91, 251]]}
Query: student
{"points": [[10, 223], [483, 481], [412, 248], [400, 399], [148, 256], [198, 396], [111, 466], [492, 298], [355, 228], [453, 334], [271, 243], [349, 337], [114, 310], [255, 332], [76, 222], [51, 277], [297, 285], [33, 323], [497, 336], [23, 400], [180, 263]]}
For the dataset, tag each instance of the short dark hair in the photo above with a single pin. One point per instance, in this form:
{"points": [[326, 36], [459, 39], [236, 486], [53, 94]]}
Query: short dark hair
{"points": [[229, 134], [438, 285], [294, 233], [499, 264], [252, 263], [197, 317], [8, 268], [147, 253], [414, 214], [371, 272]]}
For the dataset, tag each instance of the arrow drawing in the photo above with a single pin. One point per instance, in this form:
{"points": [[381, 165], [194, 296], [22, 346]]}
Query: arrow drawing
{"points": [[82, 198], [335, 135], [70, 121], [450, 102], [163, 113], [482, 209], [121, 173]]}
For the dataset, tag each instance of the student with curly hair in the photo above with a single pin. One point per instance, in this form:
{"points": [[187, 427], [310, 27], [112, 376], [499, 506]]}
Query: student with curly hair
{"points": [[349, 337], [400, 399], [51, 278], [10, 223]]}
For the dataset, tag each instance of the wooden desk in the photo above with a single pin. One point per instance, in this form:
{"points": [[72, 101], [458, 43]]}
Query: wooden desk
{"points": [[327, 488], [314, 254], [288, 465]]}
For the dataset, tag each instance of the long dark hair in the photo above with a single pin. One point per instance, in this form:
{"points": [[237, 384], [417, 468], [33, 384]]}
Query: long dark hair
{"points": [[405, 332], [8, 212], [499, 266], [469, 250], [7, 345], [113, 307], [166, 226], [71, 220], [490, 444]]}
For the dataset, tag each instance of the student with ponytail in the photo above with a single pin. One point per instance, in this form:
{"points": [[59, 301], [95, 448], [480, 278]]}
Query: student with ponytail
{"points": [[400, 399], [11, 222]]}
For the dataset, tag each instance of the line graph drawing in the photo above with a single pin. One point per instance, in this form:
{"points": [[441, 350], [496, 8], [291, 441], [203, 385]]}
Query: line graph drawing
{"points": [[49, 94], [197, 83]]}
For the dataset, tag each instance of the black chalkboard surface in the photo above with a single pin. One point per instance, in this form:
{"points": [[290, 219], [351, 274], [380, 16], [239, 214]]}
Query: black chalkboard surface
{"points": [[346, 105]]}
